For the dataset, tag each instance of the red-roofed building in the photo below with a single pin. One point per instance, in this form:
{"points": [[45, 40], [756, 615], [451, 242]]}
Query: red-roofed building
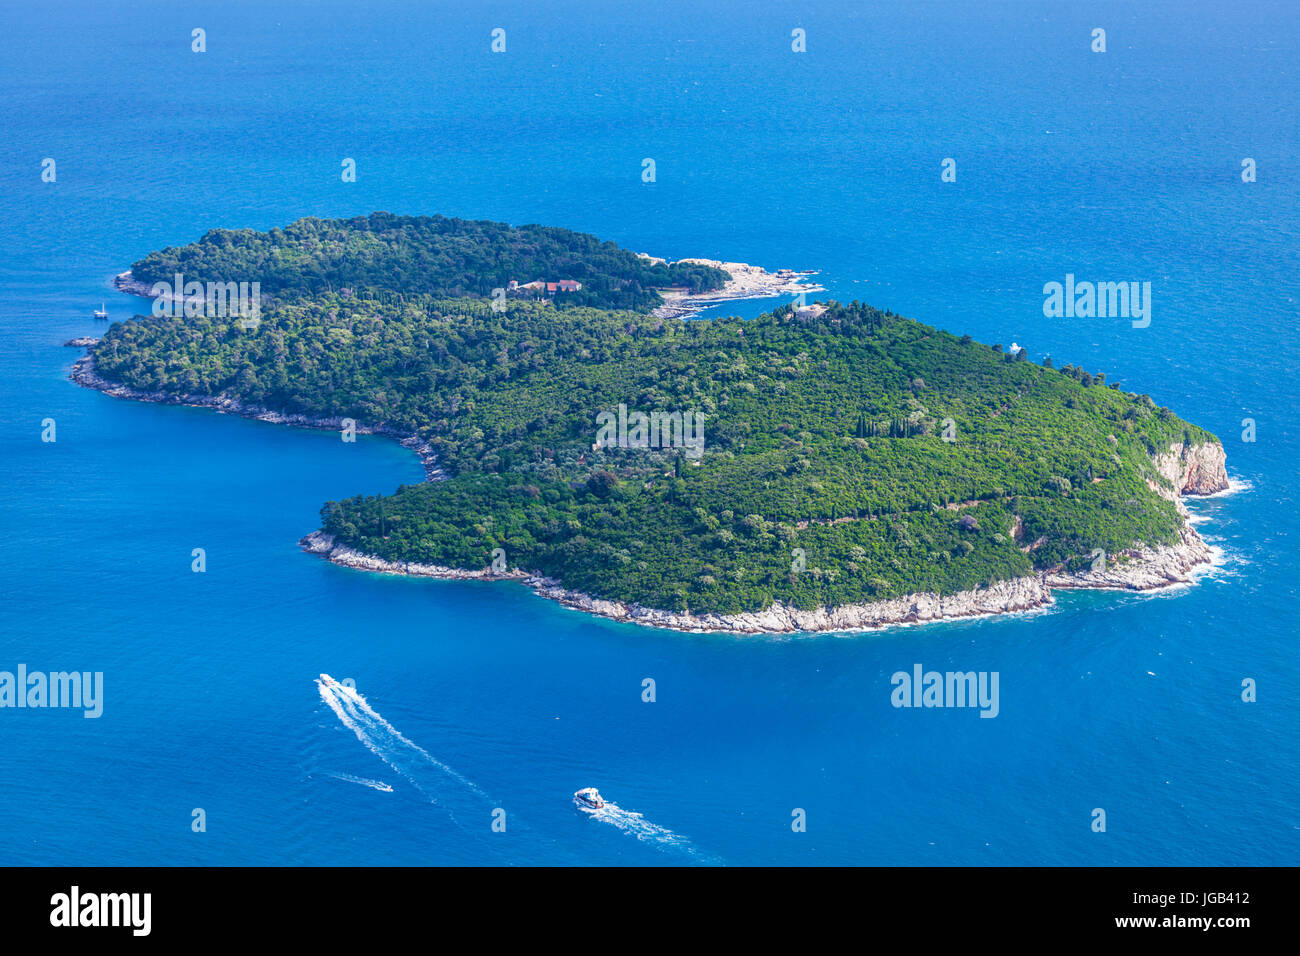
{"points": [[546, 288]]}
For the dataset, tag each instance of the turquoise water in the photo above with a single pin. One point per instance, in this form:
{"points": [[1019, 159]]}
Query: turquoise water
{"points": [[478, 696]]}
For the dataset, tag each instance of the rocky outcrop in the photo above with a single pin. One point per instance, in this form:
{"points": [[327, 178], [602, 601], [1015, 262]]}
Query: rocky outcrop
{"points": [[125, 282], [1141, 569], [1194, 469], [746, 282], [1190, 470]]}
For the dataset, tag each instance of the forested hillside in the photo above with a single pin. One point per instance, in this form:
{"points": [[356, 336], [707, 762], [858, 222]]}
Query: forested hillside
{"points": [[897, 457], [383, 253]]}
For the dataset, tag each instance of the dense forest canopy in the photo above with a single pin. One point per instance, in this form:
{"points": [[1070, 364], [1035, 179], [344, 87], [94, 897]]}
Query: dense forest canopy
{"points": [[384, 253], [897, 457]]}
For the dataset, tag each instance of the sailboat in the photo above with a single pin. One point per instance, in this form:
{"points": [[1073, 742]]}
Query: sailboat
{"points": [[101, 312]]}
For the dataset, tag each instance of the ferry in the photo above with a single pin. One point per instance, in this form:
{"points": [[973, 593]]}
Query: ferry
{"points": [[588, 798], [101, 312]]}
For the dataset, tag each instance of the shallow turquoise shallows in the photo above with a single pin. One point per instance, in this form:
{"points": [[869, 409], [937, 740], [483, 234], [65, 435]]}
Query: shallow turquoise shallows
{"points": [[476, 697]]}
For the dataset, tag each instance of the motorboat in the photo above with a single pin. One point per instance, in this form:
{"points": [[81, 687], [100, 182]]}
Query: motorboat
{"points": [[589, 798]]}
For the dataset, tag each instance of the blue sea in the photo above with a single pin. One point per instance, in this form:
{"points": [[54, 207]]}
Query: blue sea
{"points": [[477, 702]]}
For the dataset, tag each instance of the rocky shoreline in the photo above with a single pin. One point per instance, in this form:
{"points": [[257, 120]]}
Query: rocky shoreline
{"points": [[83, 373], [1022, 594], [126, 282], [746, 282], [1199, 470]]}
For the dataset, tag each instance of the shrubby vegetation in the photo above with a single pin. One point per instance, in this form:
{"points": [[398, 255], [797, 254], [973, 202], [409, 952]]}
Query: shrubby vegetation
{"points": [[821, 433], [380, 253]]}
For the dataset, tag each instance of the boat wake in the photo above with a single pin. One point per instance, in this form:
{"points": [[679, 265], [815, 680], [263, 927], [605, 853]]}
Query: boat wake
{"points": [[433, 778], [364, 781], [661, 838]]}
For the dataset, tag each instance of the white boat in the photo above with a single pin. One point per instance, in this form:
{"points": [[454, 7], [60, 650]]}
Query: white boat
{"points": [[589, 798], [101, 312]]}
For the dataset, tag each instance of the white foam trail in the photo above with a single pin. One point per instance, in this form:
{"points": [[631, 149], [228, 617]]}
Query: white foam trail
{"points": [[425, 772], [1235, 486], [638, 826], [364, 781]]}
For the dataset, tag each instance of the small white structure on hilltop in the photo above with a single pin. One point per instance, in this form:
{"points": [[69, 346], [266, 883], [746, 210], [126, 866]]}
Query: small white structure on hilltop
{"points": [[1015, 348]]}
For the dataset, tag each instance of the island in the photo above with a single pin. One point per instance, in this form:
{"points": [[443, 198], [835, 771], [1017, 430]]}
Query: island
{"points": [[825, 466]]}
